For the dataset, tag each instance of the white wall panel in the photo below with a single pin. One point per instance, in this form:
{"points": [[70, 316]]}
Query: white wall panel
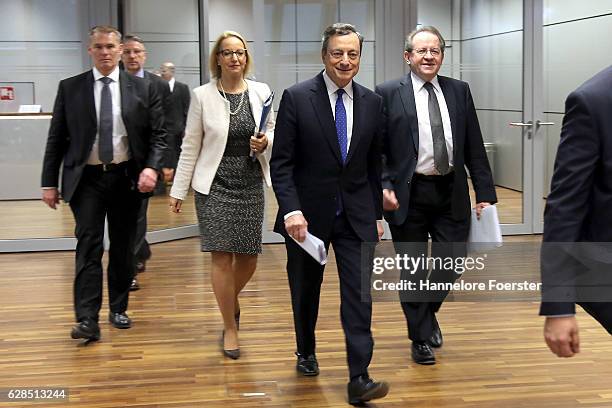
{"points": [[493, 66], [486, 17], [556, 11]]}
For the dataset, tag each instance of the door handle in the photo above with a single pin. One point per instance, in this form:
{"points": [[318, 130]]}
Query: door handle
{"points": [[540, 123], [528, 125]]}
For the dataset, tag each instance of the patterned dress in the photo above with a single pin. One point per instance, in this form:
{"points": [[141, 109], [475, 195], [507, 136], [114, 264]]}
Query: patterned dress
{"points": [[230, 217]]}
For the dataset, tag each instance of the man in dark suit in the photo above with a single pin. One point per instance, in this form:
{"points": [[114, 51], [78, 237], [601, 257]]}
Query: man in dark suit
{"points": [[176, 118], [134, 57], [577, 219], [431, 135], [325, 170], [108, 132]]}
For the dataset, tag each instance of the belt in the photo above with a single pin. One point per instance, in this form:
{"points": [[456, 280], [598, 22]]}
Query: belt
{"points": [[108, 167], [434, 177]]}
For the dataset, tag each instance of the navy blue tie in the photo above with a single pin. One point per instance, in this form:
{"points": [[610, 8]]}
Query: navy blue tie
{"points": [[341, 125], [342, 138], [105, 127]]}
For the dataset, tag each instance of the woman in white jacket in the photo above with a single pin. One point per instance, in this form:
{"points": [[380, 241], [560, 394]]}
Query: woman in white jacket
{"points": [[220, 137]]}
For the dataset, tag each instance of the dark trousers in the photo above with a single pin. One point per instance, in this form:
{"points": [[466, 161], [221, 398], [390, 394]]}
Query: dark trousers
{"points": [[142, 251], [305, 278], [429, 214], [601, 311], [99, 194]]}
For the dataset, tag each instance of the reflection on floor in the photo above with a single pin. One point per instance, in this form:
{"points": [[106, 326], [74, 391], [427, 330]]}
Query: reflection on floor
{"points": [[493, 356], [32, 219]]}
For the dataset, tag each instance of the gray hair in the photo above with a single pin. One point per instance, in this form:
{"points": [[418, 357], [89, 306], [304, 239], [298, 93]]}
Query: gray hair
{"points": [[104, 29], [428, 29], [339, 29]]}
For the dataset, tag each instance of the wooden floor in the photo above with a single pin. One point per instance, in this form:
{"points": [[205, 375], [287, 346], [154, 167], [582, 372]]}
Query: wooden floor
{"points": [[493, 355], [28, 219]]}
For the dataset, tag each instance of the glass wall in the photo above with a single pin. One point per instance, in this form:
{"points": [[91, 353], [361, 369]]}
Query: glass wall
{"points": [[170, 30], [485, 49], [577, 43]]}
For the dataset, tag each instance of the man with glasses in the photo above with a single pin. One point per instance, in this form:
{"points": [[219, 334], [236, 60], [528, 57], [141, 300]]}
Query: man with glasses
{"points": [[431, 135], [325, 170], [134, 57]]}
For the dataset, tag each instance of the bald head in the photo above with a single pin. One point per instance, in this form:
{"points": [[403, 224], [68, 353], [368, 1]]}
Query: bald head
{"points": [[167, 70]]}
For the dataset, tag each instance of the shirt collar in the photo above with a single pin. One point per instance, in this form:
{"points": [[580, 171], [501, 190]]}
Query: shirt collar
{"points": [[140, 73], [332, 87], [113, 75], [418, 83], [171, 81]]}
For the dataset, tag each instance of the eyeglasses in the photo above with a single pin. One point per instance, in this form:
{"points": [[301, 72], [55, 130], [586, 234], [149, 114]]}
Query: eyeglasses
{"points": [[435, 52], [227, 54], [135, 52], [338, 55]]}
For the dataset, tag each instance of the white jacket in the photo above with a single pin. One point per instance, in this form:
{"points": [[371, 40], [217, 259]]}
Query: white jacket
{"points": [[206, 136]]}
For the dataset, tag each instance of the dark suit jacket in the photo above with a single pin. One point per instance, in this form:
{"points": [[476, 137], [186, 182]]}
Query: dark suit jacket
{"points": [[176, 117], [74, 126], [178, 105], [578, 206], [401, 145], [306, 166]]}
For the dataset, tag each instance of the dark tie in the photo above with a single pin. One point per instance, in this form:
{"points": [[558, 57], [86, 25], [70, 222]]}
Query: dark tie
{"points": [[437, 132], [341, 124], [105, 127], [342, 138]]}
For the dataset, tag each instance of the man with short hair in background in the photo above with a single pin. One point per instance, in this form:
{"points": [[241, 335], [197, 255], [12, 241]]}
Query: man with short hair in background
{"points": [[176, 118], [134, 57]]}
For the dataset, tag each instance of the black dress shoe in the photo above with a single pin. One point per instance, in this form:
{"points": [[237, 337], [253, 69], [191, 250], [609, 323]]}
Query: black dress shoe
{"points": [[120, 320], [135, 285], [363, 389], [307, 366], [234, 354], [436, 337], [86, 329], [422, 353]]}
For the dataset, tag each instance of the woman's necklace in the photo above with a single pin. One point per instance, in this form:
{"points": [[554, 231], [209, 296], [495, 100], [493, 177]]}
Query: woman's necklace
{"points": [[225, 96]]}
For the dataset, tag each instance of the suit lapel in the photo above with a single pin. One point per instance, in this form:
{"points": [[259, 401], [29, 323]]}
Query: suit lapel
{"points": [[359, 114], [89, 101], [407, 96], [451, 104], [125, 84], [322, 108]]}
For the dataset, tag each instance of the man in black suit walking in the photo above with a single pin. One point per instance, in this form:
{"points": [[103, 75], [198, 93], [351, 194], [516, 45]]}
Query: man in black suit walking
{"points": [[134, 57], [431, 135], [577, 218], [176, 118], [325, 170], [107, 130]]}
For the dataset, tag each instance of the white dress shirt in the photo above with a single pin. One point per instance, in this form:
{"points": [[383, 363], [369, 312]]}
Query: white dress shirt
{"points": [[171, 84], [347, 100], [121, 150], [425, 163]]}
